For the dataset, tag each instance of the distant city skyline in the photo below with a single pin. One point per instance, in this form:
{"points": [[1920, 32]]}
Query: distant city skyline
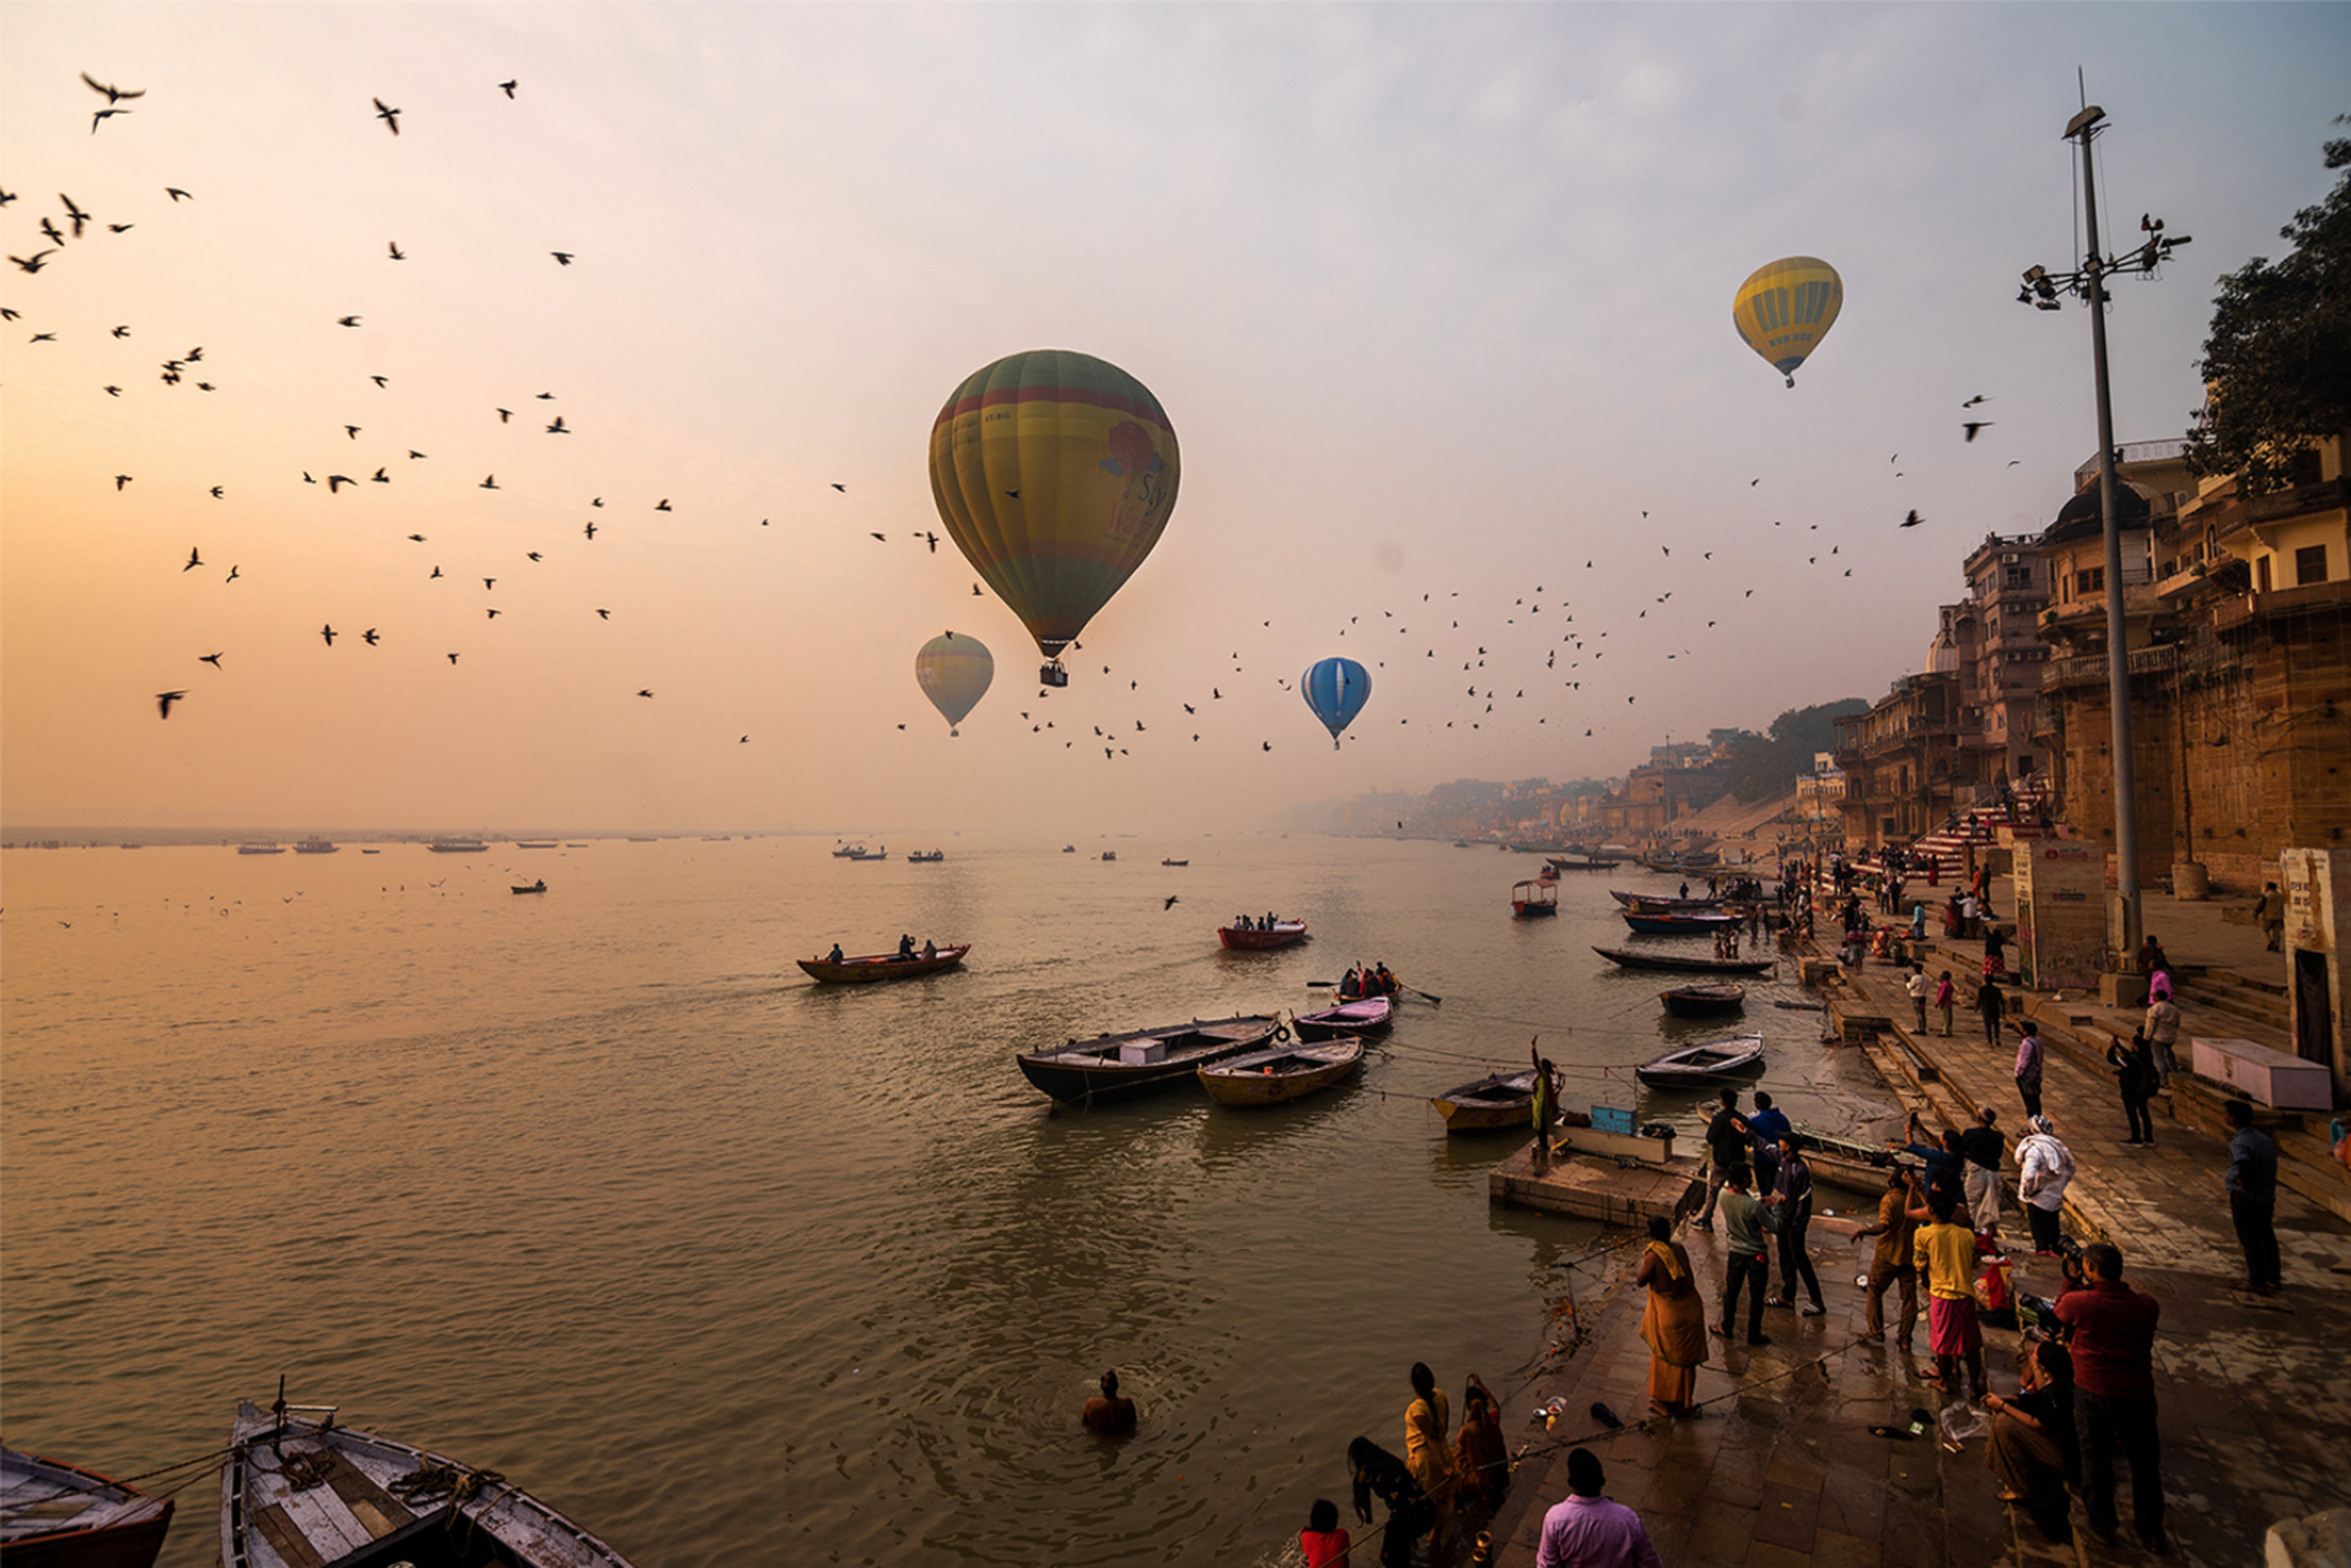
{"points": [[1436, 299]]}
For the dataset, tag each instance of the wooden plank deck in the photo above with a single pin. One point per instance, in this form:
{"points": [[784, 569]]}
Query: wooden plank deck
{"points": [[1593, 1187]]}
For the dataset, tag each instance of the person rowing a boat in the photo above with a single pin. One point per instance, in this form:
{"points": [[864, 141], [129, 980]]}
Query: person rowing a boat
{"points": [[905, 947]]}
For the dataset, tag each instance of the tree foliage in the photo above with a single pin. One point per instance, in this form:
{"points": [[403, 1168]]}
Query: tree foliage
{"points": [[1762, 766], [2278, 363]]}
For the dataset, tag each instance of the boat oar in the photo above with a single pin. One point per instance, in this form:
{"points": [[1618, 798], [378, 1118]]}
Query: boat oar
{"points": [[1424, 995], [1320, 985]]}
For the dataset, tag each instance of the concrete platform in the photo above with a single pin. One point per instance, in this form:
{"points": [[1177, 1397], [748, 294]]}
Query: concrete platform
{"points": [[1594, 1186]]}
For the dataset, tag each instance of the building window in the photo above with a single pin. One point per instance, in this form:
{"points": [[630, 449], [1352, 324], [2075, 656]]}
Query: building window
{"points": [[2090, 580], [2261, 575], [2017, 577], [2309, 565]]}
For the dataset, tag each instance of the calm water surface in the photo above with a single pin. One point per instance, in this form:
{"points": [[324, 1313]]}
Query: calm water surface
{"points": [[596, 1189]]}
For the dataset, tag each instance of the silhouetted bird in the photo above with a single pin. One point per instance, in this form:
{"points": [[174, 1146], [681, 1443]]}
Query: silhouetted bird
{"points": [[453, 658], [590, 529], [603, 615], [177, 194], [842, 488], [558, 428], [328, 633], [347, 321], [395, 250], [490, 483], [212, 659], [389, 115], [1913, 520], [113, 94], [1169, 905], [661, 505], [193, 561], [562, 257], [1972, 425], [164, 700], [1975, 400], [647, 694]]}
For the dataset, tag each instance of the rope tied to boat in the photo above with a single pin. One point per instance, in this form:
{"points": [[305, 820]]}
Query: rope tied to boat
{"points": [[435, 1480], [303, 1472]]}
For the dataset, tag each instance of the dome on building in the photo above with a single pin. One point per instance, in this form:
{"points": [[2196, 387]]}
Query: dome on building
{"points": [[2078, 519]]}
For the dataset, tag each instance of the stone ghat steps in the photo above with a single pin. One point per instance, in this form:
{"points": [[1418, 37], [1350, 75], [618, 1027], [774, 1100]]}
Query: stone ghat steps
{"points": [[2258, 1010]]}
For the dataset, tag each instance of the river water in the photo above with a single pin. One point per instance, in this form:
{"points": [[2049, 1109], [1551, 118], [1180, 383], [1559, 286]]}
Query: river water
{"points": [[596, 1189]]}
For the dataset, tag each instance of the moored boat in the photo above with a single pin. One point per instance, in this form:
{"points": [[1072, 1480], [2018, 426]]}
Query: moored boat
{"points": [[1489, 1104], [57, 1515], [1704, 1064], [1370, 1015], [1257, 939], [534, 843], [317, 847], [300, 1492], [1701, 1001], [862, 854], [1114, 1067], [881, 966], [1694, 923], [1645, 958], [1661, 901], [1530, 899], [1280, 1073]]}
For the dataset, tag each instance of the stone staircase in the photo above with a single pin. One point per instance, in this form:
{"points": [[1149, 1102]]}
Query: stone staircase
{"points": [[2223, 1003], [1978, 825]]}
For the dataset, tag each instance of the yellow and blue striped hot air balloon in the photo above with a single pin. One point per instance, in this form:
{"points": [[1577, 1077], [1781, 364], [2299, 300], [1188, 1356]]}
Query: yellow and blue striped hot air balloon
{"points": [[1055, 472], [953, 673], [1785, 307]]}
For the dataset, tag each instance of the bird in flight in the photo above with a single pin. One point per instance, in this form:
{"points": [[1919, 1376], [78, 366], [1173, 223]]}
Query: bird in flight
{"points": [[397, 254], [661, 505], [32, 262], [177, 194], [113, 94], [884, 537], [603, 615], [328, 631], [369, 637], [507, 88], [232, 575], [212, 659], [453, 658], [193, 562], [1972, 425], [558, 428], [647, 694], [353, 431], [1975, 400], [490, 482], [103, 115], [490, 584], [589, 530], [74, 214], [1913, 520], [347, 321], [164, 700], [335, 483], [562, 257], [388, 114]]}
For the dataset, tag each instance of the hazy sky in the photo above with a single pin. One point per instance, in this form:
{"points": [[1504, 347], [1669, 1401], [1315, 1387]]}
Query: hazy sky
{"points": [[1437, 298]]}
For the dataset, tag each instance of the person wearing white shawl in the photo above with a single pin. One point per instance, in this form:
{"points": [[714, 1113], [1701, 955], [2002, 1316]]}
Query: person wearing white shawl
{"points": [[2046, 1167]]}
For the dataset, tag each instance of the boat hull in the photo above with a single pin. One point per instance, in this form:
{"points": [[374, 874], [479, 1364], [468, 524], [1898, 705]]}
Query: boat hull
{"points": [[1703, 1002], [1677, 924], [1494, 1104], [1140, 1062], [272, 1515], [1373, 1015], [1635, 959], [1705, 1065], [877, 967], [60, 1515], [1282, 1074], [1285, 934]]}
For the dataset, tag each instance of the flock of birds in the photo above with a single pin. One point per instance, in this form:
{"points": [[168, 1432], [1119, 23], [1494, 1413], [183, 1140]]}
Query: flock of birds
{"points": [[1533, 643]]}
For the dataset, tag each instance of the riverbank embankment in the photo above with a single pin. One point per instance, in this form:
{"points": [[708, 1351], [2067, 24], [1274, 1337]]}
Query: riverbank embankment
{"points": [[1783, 1468]]}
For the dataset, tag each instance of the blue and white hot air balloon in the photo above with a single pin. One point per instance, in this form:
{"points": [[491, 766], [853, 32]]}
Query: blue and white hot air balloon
{"points": [[1336, 689]]}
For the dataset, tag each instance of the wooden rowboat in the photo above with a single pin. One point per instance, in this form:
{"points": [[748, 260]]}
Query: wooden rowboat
{"points": [[57, 1515], [1661, 903], [882, 967], [1254, 939], [1704, 1065], [1495, 1103], [1643, 959], [1372, 1015], [298, 1492], [1114, 1067], [538, 886], [1701, 1001], [1693, 923], [1281, 1073]]}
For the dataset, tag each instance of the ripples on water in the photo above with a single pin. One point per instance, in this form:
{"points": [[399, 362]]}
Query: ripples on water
{"points": [[596, 1189]]}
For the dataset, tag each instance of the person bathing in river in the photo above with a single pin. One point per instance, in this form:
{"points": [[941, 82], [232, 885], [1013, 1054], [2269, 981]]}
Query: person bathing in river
{"points": [[1375, 1472], [1107, 1412]]}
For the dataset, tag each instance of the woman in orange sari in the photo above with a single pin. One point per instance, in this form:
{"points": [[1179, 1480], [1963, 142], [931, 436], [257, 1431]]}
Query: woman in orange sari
{"points": [[1480, 1456], [1675, 1323], [1426, 1453]]}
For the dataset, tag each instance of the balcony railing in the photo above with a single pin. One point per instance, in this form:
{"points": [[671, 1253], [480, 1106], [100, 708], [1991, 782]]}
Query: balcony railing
{"points": [[2086, 671]]}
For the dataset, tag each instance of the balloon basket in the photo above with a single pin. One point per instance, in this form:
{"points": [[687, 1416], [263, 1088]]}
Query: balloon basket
{"points": [[1053, 675]]}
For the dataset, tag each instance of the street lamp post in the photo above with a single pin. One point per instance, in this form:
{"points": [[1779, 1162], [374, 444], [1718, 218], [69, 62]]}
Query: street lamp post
{"points": [[2041, 290]]}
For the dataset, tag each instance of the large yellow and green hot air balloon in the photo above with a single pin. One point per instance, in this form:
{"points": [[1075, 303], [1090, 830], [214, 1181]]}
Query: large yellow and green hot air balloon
{"points": [[953, 673], [1054, 472], [1785, 307]]}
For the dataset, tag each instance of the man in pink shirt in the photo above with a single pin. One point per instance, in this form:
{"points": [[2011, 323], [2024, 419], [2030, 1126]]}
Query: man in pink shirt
{"points": [[1587, 1530]]}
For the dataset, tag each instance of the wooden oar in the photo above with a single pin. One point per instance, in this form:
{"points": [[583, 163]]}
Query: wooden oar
{"points": [[1320, 985], [1424, 995]]}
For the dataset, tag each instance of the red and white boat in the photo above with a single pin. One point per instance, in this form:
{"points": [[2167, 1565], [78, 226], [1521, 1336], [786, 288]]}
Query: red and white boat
{"points": [[1372, 1015], [1256, 939], [57, 1515]]}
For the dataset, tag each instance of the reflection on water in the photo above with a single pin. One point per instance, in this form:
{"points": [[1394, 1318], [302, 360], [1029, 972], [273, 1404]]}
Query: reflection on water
{"points": [[596, 1190]]}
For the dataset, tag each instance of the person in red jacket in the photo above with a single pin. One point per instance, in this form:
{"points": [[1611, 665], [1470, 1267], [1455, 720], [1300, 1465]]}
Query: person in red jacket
{"points": [[2112, 1341]]}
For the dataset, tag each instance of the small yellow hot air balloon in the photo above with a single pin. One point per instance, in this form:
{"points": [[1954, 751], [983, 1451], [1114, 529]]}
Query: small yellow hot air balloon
{"points": [[1054, 473], [953, 673], [1785, 307]]}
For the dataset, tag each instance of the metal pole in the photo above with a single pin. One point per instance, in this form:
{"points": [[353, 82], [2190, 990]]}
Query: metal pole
{"points": [[2117, 651]]}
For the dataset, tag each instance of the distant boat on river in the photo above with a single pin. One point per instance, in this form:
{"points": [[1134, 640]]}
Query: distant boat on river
{"points": [[457, 846], [260, 849], [317, 847], [875, 966], [1651, 959], [538, 886], [1256, 938], [1528, 899], [927, 857], [1140, 1063]]}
